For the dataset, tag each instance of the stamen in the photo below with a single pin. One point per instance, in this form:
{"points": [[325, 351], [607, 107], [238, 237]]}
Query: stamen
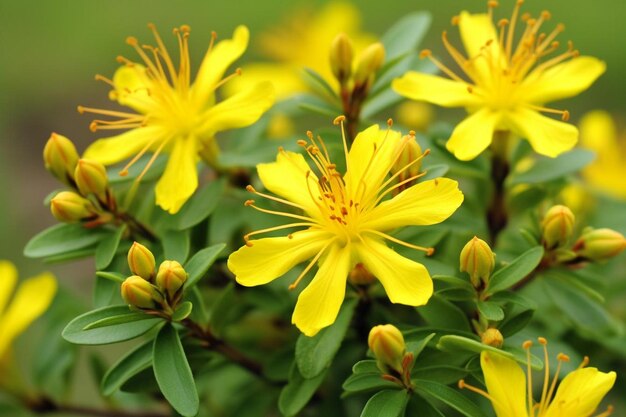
{"points": [[99, 77], [310, 265], [226, 79], [251, 189], [250, 203], [112, 113], [246, 237], [608, 412], [584, 362], [429, 251], [427, 53], [564, 113], [463, 385], [511, 34], [164, 54], [529, 376]]}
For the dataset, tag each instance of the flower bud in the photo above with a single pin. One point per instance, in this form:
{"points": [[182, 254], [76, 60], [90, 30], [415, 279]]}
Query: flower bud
{"points": [[69, 207], [360, 275], [600, 244], [138, 292], [478, 261], [557, 226], [141, 261], [416, 115], [171, 278], [91, 178], [341, 54], [368, 63], [60, 157], [411, 155], [387, 344], [492, 337]]}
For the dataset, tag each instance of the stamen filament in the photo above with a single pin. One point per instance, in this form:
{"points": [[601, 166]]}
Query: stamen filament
{"points": [[246, 237], [310, 265], [250, 203], [273, 198], [429, 251]]}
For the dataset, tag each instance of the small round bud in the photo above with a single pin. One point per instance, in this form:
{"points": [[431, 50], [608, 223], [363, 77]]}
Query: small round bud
{"points": [[91, 178], [387, 344], [360, 275], [368, 63], [492, 337], [60, 158], [69, 207], [410, 157], [557, 226], [341, 55], [138, 292], [600, 244], [171, 278], [416, 115], [141, 261], [478, 261]]}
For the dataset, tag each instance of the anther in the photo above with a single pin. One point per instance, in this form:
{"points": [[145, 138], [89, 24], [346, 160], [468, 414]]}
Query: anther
{"points": [[492, 4], [461, 384], [80, 109], [185, 28], [527, 344], [565, 116], [250, 188], [455, 20], [546, 15], [562, 357], [290, 236], [425, 53], [132, 41], [339, 119], [390, 122], [520, 2], [411, 132], [503, 22], [249, 243], [584, 363], [238, 71], [430, 251], [93, 126], [470, 89], [248, 203], [309, 134], [542, 341], [301, 142]]}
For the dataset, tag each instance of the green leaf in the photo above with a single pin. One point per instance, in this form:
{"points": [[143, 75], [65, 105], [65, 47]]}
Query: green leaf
{"points": [[176, 245], [455, 282], [442, 313], [317, 82], [105, 251], [75, 331], [128, 317], [182, 312], [316, 105], [366, 366], [387, 403], [416, 347], [405, 35], [548, 169], [366, 382], [197, 266], [62, 238], [454, 343], [514, 272], [444, 374], [452, 397], [298, 391], [128, 366], [199, 207], [173, 373], [111, 276], [490, 311], [221, 308], [314, 354], [514, 324]]}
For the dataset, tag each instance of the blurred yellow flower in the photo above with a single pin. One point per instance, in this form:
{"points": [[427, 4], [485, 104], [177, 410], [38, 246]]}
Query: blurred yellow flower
{"points": [[346, 220], [510, 391], [507, 84], [30, 301], [173, 114], [303, 42], [599, 134]]}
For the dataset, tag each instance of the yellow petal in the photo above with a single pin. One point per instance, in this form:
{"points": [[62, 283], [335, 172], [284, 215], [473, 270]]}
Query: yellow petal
{"points": [[132, 88], [287, 178], [8, 278], [284, 77], [434, 89], [580, 393], [270, 258], [319, 303], [547, 136], [405, 281], [180, 178], [564, 80], [240, 110], [476, 30], [598, 133], [370, 158], [506, 384], [473, 135], [215, 63], [117, 148], [31, 300], [428, 202]]}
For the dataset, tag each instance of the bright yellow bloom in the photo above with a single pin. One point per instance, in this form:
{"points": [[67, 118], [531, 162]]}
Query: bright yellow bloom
{"points": [[303, 42], [173, 114], [599, 134], [509, 390], [506, 84], [346, 220], [30, 301]]}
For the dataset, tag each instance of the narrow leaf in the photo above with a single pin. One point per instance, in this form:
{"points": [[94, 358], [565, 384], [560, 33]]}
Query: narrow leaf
{"points": [[449, 396], [514, 272], [387, 403], [62, 238], [298, 391], [197, 266], [105, 251], [128, 366], [489, 310]]}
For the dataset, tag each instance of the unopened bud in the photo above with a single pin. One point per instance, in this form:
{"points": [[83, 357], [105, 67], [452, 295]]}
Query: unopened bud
{"points": [[60, 157], [91, 178], [368, 63], [387, 344], [600, 244], [557, 226], [360, 275], [69, 207], [138, 292], [492, 337], [410, 161], [141, 261], [341, 54], [171, 278], [416, 115], [478, 261]]}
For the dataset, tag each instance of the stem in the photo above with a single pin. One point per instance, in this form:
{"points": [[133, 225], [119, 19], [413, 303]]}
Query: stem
{"points": [[46, 405], [136, 227], [497, 216]]}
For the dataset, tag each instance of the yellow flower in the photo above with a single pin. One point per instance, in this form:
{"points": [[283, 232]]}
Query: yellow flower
{"points": [[346, 220], [303, 42], [506, 84], [173, 114], [509, 390], [599, 134], [30, 301]]}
